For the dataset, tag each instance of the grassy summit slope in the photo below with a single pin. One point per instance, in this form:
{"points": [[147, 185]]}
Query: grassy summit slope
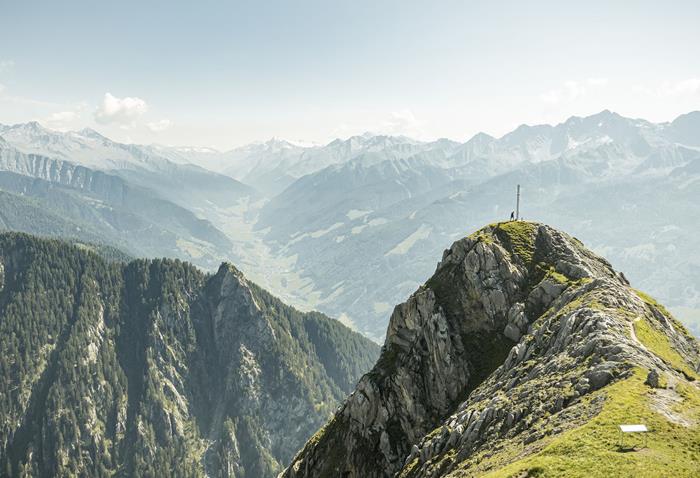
{"points": [[671, 413], [519, 357], [592, 450]]}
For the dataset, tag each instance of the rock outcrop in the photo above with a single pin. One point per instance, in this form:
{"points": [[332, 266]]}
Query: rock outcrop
{"points": [[507, 343]]}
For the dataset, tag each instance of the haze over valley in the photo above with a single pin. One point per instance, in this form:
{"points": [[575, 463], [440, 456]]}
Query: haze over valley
{"points": [[351, 227]]}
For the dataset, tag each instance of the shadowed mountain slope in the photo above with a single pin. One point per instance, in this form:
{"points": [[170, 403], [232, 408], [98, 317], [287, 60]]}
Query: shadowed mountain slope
{"points": [[153, 368]]}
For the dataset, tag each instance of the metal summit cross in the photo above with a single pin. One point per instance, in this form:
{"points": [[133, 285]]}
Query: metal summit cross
{"points": [[517, 204]]}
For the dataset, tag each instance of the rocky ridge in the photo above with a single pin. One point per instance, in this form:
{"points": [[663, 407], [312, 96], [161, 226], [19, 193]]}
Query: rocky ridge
{"points": [[520, 335]]}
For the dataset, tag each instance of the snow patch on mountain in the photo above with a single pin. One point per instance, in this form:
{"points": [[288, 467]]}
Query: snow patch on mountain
{"points": [[353, 214], [404, 246]]}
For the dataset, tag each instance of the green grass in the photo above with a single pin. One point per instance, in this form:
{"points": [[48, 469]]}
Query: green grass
{"points": [[690, 317], [658, 343], [592, 450], [521, 237], [548, 271], [561, 278], [650, 301], [482, 236], [408, 469]]}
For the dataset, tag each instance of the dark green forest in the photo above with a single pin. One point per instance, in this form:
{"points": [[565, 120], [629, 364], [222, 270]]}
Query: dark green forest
{"points": [[153, 368]]}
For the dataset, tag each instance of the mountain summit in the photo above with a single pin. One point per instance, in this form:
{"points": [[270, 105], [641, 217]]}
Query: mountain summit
{"points": [[519, 357]]}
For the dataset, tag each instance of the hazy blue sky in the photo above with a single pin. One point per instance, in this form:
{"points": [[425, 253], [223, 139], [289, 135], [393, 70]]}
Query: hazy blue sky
{"points": [[205, 73]]}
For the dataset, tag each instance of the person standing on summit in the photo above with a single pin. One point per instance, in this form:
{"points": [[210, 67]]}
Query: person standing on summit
{"points": [[512, 215]]}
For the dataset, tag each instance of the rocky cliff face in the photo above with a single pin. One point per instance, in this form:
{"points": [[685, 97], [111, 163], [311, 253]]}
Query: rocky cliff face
{"points": [[521, 335], [153, 368]]}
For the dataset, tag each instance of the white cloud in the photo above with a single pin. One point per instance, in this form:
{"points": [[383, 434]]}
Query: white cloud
{"points": [[667, 90], [690, 86], [158, 126], [571, 90], [121, 111], [551, 96], [402, 122], [2, 87], [574, 90], [62, 119], [568, 92]]}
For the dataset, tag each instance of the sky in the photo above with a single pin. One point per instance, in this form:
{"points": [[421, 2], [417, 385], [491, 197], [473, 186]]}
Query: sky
{"points": [[223, 74]]}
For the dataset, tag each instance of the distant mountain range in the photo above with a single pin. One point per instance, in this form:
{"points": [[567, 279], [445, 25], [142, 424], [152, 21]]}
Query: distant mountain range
{"points": [[353, 226], [84, 185], [628, 187]]}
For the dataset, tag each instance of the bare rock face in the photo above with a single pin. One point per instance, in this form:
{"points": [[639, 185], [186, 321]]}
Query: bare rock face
{"points": [[518, 322], [257, 400]]}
